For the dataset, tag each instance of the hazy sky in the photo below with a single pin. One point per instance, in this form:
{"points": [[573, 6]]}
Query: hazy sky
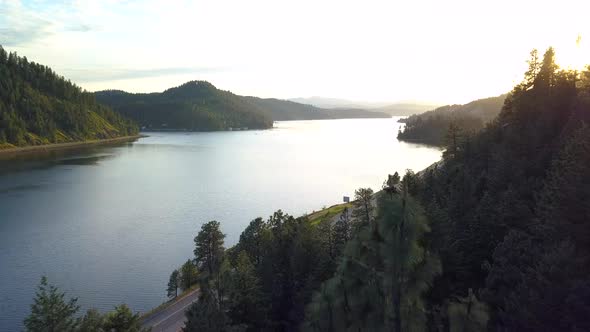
{"points": [[450, 51]]}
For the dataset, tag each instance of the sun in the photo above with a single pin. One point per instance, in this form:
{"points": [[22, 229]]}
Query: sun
{"points": [[574, 55]]}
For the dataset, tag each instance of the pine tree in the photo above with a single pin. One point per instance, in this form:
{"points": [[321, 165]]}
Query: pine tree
{"points": [[209, 256], [173, 284], [363, 209]]}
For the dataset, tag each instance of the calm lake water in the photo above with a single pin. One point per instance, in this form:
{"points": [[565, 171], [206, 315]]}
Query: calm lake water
{"points": [[109, 224]]}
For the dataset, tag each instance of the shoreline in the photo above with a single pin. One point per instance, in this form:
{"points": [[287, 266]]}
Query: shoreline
{"points": [[66, 146]]}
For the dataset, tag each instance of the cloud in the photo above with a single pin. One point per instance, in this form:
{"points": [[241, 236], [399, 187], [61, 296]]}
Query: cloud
{"points": [[20, 26], [100, 75], [80, 28], [23, 23]]}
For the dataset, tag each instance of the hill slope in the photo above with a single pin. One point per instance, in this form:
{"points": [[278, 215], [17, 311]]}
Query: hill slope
{"points": [[432, 126], [195, 105], [37, 106]]}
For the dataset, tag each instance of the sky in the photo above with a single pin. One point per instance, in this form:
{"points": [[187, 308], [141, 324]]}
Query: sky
{"points": [[434, 51]]}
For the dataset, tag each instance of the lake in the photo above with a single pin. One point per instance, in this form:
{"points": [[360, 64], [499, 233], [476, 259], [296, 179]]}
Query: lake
{"points": [[109, 224]]}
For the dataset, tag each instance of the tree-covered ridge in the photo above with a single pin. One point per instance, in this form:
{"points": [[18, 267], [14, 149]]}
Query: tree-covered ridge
{"points": [[194, 106], [37, 106], [431, 127], [283, 110]]}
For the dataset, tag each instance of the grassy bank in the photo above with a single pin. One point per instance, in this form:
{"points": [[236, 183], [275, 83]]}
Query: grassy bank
{"points": [[327, 214]]}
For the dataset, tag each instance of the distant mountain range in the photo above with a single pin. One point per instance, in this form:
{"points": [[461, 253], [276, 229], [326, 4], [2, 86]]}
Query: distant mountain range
{"points": [[200, 106], [394, 109], [283, 110]]}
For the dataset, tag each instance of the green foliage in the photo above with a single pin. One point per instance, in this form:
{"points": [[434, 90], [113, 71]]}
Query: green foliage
{"points": [[92, 321], [51, 312], [433, 127], [39, 107], [245, 295], [264, 282], [187, 277], [206, 315], [122, 320]]}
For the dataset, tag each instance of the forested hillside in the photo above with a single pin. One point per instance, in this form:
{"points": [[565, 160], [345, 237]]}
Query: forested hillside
{"points": [[194, 106], [433, 126], [37, 106]]}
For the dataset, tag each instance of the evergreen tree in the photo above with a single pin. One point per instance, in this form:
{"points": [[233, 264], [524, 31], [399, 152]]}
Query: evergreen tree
{"points": [[209, 254], [173, 284], [252, 240], [363, 209], [51, 312]]}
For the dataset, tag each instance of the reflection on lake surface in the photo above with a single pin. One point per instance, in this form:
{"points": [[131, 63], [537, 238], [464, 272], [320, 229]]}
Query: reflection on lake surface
{"points": [[109, 224]]}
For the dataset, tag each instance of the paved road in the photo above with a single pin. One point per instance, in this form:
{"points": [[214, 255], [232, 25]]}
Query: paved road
{"points": [[172, 318]]}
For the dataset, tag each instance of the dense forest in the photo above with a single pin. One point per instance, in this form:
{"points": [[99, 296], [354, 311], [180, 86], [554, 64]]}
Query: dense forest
{"points": [[433, 126], [193, 106], [494, 237], [200, 106], [37, 106]]}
